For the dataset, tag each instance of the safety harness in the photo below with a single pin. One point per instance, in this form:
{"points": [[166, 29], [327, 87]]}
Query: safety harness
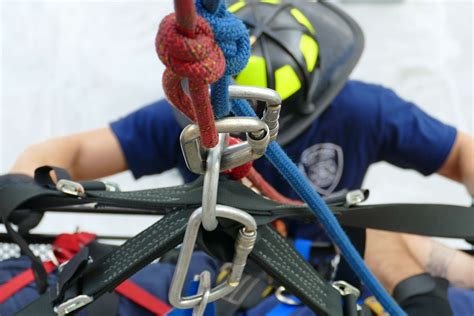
{"points": [[70, 247], [271, 252], [236, 221]]}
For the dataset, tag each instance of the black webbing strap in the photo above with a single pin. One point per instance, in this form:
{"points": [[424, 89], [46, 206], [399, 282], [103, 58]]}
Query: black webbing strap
{"points": [[43, 176], [279, 259], [423, 219], [109, 271], [12, 197], [271, 252]]}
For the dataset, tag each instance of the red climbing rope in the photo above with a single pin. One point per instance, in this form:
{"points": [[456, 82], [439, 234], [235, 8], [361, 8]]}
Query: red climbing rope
{"points": [[185, 44], [242, 171], [267, 189], [185, 17]]}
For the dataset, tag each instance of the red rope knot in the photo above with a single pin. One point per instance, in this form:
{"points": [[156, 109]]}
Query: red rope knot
{"points": [[242, 171], [201, 61]]}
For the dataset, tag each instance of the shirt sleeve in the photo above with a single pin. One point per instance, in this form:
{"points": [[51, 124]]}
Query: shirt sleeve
{"points": [[149, 138], [409, 137]]}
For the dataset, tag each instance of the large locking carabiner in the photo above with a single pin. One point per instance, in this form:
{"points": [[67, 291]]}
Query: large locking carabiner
{"points": [[243, 246], [259, 133]]}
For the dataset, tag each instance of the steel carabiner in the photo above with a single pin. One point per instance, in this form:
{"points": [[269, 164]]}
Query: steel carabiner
{"points": [[243, 246]]}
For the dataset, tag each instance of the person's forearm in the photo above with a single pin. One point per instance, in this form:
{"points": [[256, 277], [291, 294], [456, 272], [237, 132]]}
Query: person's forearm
{"points": [[459, 165], [442, 261], [87, 155], [55, 152], [466, 161]]}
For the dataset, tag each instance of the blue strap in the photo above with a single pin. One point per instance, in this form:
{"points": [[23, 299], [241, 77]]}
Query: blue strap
{"points": [[225, 33], [282, 310], [303, 246]]}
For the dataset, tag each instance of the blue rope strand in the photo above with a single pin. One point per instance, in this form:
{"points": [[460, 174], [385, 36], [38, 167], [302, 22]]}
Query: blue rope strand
{"points": [[300, 184], [233, 39]]}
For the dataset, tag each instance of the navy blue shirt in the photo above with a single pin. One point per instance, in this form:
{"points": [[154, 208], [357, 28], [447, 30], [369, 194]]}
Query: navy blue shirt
{"points": [[365, 123]]}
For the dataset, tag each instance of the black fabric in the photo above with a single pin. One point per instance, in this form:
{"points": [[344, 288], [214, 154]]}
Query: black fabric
{"points": [[43, 175], [93, 185], [350, 305], [247, 294], [279, 259], [422, 295], [68, 271], [344, 271], [423, 219], [271, 252], [107, 304], [12, 197]]}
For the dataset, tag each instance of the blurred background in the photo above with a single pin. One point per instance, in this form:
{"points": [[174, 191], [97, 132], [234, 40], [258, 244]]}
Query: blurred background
{"points": [[77, 65]]}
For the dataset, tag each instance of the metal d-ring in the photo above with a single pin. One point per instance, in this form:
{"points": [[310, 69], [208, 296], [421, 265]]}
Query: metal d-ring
{"points": [[243, 246], [211, 183]]}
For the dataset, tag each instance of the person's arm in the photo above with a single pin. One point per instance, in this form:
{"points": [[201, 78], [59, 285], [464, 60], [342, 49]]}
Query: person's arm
{"points": [[87, 155], [459, 165], [442, 261], [437, 259]]}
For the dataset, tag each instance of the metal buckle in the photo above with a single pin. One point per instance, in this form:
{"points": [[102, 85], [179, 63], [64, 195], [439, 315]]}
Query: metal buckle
{"points": [[345, 288], [73, 304], [355, 197], [70, 187], [259, 133], [243, 246], [211, 183], [285, 299], [111, 186]]}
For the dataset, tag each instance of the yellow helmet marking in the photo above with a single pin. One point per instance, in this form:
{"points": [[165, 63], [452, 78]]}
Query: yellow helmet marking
{"points": [[309, 47], [236, 6], [301, 18], [286, 81], [271, 1], [255, 73]]}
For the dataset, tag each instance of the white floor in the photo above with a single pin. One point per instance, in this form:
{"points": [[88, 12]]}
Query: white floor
{"points": [[72, 66]]}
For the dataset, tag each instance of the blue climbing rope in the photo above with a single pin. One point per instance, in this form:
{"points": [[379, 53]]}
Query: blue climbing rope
{"points": [[233, 39]]}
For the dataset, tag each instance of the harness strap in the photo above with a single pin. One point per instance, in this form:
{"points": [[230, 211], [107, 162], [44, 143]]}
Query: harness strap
{"points": [[449, 221], [271, 252], [11, 198]]}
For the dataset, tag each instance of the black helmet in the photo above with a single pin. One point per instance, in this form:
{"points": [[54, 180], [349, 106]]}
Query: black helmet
{"points": [[303, 49]]}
